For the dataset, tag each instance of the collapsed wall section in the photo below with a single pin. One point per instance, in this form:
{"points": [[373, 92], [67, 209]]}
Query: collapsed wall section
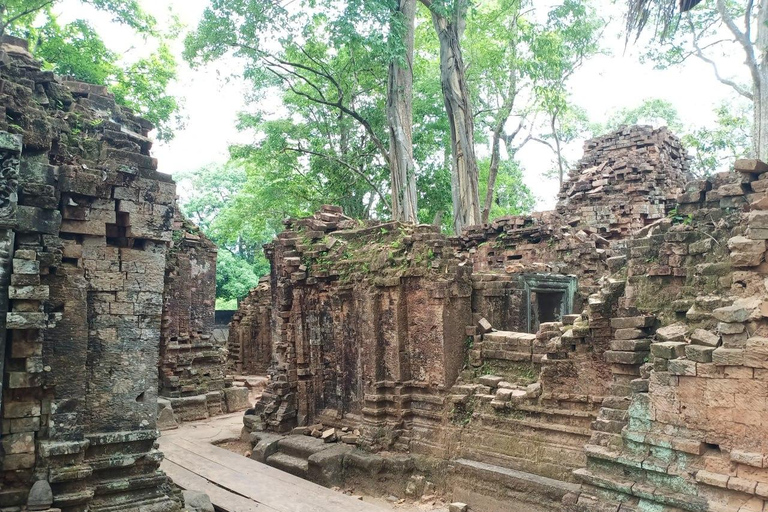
{"points": [[689, 357], [86, 221], [625, 181]]}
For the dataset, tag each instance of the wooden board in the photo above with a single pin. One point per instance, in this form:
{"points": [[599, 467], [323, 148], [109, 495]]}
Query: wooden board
{"points": [[269, 488], [220, 497]]}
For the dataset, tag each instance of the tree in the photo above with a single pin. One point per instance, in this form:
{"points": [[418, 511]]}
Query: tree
{"points": [[449, 19], [715, 149], [520, 68], [400, 112], [723, 25], [22, 13], [331, 56], [652, 111]]}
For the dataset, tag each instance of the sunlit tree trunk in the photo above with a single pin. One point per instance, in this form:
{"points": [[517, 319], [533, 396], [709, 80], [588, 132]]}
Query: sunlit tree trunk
{"points": [[493, 172], [464, 177], [760, 85], [400, 116]]}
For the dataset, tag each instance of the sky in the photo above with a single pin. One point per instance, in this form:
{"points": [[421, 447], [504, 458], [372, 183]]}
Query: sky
{"points": [[604, 84]]}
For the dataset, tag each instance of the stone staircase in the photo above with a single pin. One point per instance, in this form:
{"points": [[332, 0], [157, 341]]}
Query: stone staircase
{"points": [[303, 456], [293, 454]]}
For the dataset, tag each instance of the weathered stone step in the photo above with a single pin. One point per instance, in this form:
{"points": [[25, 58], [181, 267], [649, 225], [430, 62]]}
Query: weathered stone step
{"points": [[301, 447], [535, 493], [290, 464]]}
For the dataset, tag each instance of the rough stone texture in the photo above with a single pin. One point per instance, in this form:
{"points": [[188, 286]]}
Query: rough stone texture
{"points": [[197, 502], [85, 221], [192, 362], [366, 321], [695, 435], [250, 333]]}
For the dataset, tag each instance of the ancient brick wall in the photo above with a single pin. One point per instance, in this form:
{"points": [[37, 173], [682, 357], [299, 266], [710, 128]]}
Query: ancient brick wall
{"points": [[193, 359], [368, 322], [689, 357], [250, 333], [86, 221]]}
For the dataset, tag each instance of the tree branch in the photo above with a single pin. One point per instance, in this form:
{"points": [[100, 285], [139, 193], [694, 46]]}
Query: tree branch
{"points": [[26, 12], [741, 37], [339, 105], [341, 162], [730, 83], [748, 20]]}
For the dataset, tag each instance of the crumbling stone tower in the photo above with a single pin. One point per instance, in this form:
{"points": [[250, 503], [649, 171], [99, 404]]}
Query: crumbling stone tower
{"points": [[85, 222], [625, 181]]}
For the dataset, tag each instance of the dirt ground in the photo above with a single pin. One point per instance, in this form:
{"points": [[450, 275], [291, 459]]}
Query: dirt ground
{"points": [[427, 504]]}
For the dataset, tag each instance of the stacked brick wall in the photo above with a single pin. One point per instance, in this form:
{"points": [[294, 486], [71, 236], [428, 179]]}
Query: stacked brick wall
{"points": [[693, 436], [86, 221], [625, 181], [193, 360], [250, 333]]}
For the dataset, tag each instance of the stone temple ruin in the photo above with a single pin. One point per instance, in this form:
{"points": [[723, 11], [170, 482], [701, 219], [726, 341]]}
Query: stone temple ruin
{"points": [[604, 356], [610, 355]]}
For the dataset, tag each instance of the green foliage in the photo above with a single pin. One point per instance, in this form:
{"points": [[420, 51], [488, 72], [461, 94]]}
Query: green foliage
{"points": [[142, 86], [653, 111], [715, 149], [226, 206], [75, 50], [235, 277], [16, 15], [226, 304], [326, 140], [512, 195]]}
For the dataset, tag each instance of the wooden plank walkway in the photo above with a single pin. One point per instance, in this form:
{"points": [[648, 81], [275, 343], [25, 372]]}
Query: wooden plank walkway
{"points": [[238, 484]]}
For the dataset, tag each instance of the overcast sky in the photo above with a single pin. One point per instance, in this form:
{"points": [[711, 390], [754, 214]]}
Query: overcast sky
{"points": [[602, 85]]}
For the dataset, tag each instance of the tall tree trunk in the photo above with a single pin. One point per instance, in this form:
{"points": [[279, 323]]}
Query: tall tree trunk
{"points": [[493, 171], [558, 147], [400, 116], [464, 179], [760, 85], [498, 132]]}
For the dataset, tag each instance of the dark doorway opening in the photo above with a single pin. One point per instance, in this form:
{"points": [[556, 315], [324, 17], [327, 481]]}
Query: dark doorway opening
{"points": [[549, 298]]}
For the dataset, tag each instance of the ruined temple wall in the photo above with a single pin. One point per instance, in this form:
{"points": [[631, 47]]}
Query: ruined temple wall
{"points": [[192, 359], [693, 434], [626, 180], [366, 320], [250, 333], [534, 392], [87, 222]]}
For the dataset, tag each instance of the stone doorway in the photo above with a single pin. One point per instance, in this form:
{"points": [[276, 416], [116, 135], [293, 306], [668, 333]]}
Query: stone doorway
{"points": [[548, 298]]}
